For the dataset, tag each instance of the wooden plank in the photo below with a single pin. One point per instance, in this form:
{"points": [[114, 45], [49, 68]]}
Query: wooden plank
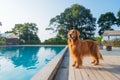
{"points": [[94, 71], [77, 74], [103, 74], [84, 74], [71, 71], [109, 69], [103, 70], [90, 73], [87, 72], [112, 65], [107, 74], [62, 75]]}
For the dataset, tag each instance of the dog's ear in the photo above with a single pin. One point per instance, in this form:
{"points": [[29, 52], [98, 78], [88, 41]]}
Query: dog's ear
{"points": [[78, 34]]}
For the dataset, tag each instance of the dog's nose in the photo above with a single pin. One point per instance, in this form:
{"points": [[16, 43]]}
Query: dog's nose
{"points": [[71, 35]]}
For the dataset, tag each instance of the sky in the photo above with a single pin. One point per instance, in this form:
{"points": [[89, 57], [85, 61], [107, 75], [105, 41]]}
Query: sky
{"points": [[41, 11]]}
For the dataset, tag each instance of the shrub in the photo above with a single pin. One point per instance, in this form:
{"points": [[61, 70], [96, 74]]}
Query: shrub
{"points": [[30, 42], [2, 41], [56, 41], [98, 39], [114, 42]]}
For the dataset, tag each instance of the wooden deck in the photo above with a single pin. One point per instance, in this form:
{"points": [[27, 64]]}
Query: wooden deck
{"points": [[108, 69]]}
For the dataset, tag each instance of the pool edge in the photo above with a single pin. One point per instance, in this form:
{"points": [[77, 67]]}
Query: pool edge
{"points": [[49, 71]]}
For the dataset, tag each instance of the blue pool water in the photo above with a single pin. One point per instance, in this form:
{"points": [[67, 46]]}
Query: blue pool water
{"points": [[22, 62]]}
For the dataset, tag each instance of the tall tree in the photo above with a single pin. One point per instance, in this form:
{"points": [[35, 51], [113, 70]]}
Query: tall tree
{"points": [[118, 19], [27, 32], [105, 22], [0, 24], [75, 17]]}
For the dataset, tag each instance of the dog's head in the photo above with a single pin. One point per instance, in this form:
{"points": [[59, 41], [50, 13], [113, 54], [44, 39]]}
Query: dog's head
{"points": [[73, 34]]}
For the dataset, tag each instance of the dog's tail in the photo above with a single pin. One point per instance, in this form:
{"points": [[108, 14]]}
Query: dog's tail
{"points": [[100, 56]]}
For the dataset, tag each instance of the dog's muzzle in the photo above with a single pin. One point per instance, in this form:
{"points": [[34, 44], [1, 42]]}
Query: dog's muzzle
{"points": [[71, 36]]}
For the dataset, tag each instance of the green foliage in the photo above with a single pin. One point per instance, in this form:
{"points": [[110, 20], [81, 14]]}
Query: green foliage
{"points": [[57, 40], [0, 24], [118, 19], [106, 21], [2, 41], [30, 42], [114, 42], [76, 9], [27, 33], [98, 39], [8, 32], [75, 17]]}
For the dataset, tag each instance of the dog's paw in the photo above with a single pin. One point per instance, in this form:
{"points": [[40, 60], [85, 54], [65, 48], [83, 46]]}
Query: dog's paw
{"points": [[95, 64], [73, 65], [78, 66]]}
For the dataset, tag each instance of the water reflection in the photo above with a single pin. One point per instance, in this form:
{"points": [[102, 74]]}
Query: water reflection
{"points": [[23, 60], [21, 56]]}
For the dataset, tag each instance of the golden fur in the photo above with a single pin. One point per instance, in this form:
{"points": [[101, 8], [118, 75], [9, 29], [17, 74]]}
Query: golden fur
{"points": [[82, 48]]}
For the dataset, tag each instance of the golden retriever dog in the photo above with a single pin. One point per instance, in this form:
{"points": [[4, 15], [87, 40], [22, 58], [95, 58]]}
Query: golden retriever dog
{"points": [[82, 48]]}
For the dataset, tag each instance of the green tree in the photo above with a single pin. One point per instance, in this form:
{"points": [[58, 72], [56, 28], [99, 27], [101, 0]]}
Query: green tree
{"points": [[75, 17], [106, 21], [0, 24], [27, 33], [2, 41], [118, 19], [57, 40]]}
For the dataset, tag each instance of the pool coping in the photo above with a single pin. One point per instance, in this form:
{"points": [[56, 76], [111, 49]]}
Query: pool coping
{"points": [[34, 45], [49, 71]]}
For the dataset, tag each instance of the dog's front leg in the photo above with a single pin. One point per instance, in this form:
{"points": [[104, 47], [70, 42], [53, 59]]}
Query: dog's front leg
{"points": [[73, 61], [78, 62]]}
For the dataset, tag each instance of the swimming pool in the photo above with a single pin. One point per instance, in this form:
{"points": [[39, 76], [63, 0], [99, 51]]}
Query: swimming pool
{"points": [[23, 62]]}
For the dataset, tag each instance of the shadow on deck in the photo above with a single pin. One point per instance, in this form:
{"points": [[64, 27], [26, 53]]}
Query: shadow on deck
{"points": [[109, 68]]}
